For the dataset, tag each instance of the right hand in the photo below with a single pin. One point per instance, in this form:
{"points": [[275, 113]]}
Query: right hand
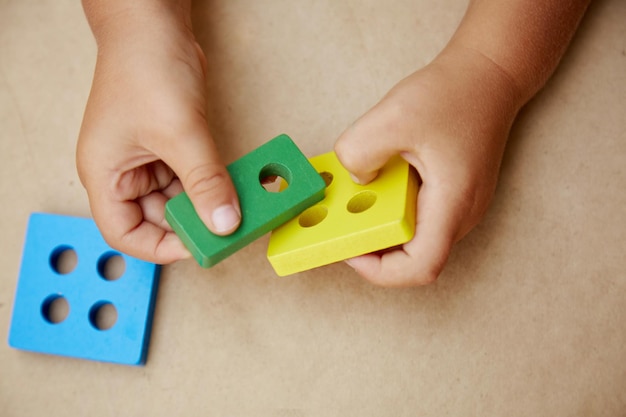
{"points": [[450, 120], [145, 138]]}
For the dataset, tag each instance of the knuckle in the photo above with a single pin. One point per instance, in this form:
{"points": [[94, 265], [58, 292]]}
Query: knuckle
{"points": [[206, 179], [114, 239], [406, 277], [162, 176], [342, 149], [347, 156], [475, 201], [423, 277], [428, 272], [428, 276]]}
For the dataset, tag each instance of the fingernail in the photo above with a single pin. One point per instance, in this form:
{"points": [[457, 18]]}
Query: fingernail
{"points": [[355, 179], [350, 263], [364, 179], [225, 218]]}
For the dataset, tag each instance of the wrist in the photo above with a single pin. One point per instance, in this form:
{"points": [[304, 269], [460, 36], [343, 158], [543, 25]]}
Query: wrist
{"points": [[118, 23], [491, 82]]}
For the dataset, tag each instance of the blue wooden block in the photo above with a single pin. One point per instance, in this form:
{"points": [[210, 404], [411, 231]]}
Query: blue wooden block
{"points": [[85, 289], [262, 211]]}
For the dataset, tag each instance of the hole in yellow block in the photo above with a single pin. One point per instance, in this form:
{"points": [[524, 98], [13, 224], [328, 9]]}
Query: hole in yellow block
{"points": [[327, 177], [313, 216], [361, 201]]}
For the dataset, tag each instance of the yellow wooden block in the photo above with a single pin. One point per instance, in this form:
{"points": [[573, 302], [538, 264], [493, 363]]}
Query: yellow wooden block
{"points": [[352, 219]]}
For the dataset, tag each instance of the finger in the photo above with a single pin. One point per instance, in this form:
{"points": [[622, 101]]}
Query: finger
{"points": [[153, 208], [153, 204], [173, 189], [205, 179], [143, 180], [421, 260], [368, 144], [124, 227]]}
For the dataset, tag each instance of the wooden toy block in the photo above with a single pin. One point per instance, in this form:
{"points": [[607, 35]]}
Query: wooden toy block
{"points": [[352, 219], [262, 211], [85, 290]]}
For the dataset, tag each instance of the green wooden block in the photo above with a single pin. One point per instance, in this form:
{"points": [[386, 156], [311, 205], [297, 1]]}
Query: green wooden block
{"points": [[261, 210]]}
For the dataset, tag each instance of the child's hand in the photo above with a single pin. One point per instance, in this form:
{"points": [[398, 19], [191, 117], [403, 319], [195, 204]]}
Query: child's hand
{"points": [[449, 120], [145, 137]]}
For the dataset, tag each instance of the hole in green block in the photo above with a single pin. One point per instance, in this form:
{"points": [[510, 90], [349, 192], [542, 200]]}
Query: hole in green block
{"points": [[103, 315], [275, 177], [312, 216], [361, 201], [55, 309], [63, 260]]}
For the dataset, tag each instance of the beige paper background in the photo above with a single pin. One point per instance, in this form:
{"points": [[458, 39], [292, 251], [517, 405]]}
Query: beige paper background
{"points": [[529, 317]]}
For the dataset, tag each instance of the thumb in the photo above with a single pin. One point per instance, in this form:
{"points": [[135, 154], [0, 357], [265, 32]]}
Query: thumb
{"points": [[204, 177], [366, 146]]}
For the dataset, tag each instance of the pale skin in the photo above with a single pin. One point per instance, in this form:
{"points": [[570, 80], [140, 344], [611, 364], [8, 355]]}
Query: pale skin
{"points": [[145, 136]]}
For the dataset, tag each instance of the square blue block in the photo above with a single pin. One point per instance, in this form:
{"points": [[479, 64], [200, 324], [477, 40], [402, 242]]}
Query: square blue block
{"points": [[85, 289]]}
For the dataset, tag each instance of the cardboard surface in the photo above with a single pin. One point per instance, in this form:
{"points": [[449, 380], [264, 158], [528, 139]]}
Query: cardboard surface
{"points": [[529, 317]]}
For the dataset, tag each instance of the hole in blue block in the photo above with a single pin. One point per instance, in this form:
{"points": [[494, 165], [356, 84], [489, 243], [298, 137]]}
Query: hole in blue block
{"points": [[111, 266], [55, 309], [63, 259], [103, 315], [275, 177]]}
